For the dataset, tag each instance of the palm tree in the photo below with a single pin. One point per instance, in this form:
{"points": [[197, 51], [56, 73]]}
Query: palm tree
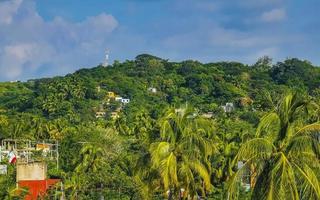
{"points": [[91, 159], [91, 162], [74, 185], [182, 155], [38, 127], [283, 158]]}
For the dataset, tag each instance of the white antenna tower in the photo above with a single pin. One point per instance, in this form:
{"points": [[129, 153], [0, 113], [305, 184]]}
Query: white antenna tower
{"points": [[106, 59]]}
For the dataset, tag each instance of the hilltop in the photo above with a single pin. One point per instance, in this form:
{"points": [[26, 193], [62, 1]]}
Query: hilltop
{"points": [[206, 86]]}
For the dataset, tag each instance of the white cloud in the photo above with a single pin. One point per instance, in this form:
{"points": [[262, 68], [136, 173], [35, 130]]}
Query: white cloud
{"points": [[17, 58], [7, 10], [274, 15], [29, 43], [212, 42]]}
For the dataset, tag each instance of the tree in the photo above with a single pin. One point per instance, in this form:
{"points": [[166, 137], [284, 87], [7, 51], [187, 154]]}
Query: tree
{"points": [[91, 159], [182, 155], [3, 124], [283, 158], [263, 64]]}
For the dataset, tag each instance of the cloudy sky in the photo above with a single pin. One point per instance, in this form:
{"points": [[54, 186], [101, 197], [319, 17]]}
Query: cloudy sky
{"points": [[42, 38]]}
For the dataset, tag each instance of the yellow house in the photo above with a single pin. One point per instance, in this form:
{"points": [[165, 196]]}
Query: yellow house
{"points": [[111, 95]]}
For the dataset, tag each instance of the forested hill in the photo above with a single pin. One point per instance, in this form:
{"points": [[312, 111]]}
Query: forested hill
{"points": [[205, 86], [108, 121]]}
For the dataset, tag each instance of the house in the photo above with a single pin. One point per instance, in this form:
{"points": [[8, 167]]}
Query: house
{"points": [[114, 115], [152, 90], [245, 101], [100, 114], [125, 101], [229, 107], [207, 115], [122, 100], [111, 95], [33, 176], [118, 99]]}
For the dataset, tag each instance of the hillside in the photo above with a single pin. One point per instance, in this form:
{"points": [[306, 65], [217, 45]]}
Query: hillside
{"points": [[77, 108], [206, 86]]}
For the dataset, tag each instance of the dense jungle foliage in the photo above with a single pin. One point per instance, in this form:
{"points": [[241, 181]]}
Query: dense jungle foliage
{"points": [[174, 140]]}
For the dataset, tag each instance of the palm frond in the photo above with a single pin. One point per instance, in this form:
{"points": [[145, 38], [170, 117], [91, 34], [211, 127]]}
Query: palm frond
{"points": [[277, 181], [311, 128], [236, 179], [303, 144], [269, 126], [258, 147], [308, 182], [203, 173], [159, 151], [168, 171]]}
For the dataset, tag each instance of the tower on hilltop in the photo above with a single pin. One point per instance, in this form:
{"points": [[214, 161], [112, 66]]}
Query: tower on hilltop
{"points": [[106, 58]]}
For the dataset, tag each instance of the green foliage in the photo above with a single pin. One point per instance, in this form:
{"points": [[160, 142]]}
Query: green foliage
{"points": [[152, 147], [284, 155]]}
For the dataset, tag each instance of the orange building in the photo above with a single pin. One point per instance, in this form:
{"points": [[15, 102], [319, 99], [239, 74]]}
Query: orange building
{"points": [[37, 189]]}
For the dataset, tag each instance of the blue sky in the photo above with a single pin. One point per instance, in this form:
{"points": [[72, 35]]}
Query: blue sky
{"points": [[43, 38]]}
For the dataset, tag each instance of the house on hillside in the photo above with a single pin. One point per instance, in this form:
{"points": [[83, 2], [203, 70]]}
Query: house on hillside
{"points": [[100, 114], [111, 95], [229, 107], [152, 90], [207, 115], [122, 100], [125, 101], [118, 98], [114, 115]]}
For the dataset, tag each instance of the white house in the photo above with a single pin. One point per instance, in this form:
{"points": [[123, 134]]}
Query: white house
{"points": [[122, 100], [152, 89], [207, 115], [118, 99], [125, 101], [229, 107]]}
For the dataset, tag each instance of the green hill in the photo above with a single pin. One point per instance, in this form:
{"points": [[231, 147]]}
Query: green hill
{"points": [[76, 108]]}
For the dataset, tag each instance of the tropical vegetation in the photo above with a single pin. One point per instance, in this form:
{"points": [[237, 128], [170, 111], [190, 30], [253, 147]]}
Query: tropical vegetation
{"points": [[222, 130]]}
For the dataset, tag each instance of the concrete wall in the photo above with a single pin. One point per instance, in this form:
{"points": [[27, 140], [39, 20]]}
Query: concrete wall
{"points": [[31, 171], [3, 169]]}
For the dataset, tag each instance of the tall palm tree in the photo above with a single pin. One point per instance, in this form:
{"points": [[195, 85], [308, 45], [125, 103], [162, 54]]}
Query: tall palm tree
{"points": [[283, 158], [91, 159], [182, 155], [90, 162]]}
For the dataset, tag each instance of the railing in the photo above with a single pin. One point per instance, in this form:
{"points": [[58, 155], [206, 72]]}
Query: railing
{"points": [[27, 151]]}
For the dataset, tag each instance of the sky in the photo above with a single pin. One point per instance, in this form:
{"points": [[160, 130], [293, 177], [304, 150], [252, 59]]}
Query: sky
{"points": [[45, 38]]}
